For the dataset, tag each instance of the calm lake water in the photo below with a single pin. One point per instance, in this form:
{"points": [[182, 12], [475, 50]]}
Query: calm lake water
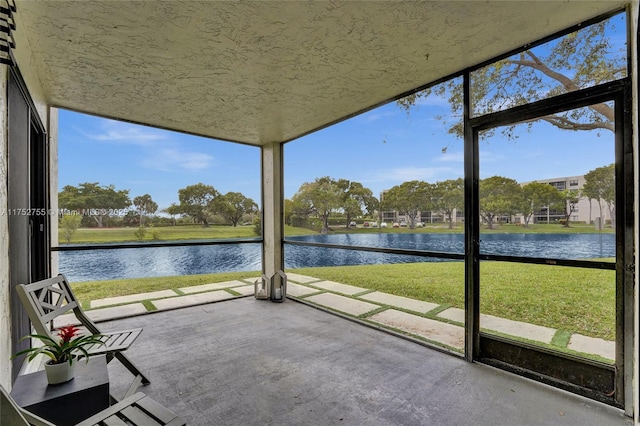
{"points": [[93, 265]]}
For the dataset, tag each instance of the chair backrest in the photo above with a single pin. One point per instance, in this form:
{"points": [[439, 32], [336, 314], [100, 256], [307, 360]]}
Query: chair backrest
{"points": [[11, 414], [46, 300]]}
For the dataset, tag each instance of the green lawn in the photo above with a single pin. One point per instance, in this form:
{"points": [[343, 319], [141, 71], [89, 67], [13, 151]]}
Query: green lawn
{"points": [[167, 233], [577, 300], [198, 232]]}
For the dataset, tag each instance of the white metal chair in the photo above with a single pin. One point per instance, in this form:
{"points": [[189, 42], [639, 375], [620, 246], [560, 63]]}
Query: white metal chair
{"points": [[136, 410], [48, 299]]}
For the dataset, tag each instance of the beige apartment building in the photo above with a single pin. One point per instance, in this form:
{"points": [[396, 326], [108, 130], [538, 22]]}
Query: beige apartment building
{"points": [[586, 211]]}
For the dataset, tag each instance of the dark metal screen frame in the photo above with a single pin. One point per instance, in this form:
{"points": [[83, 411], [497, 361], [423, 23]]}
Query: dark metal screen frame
{"points": [[116, 246], [615, 382]]}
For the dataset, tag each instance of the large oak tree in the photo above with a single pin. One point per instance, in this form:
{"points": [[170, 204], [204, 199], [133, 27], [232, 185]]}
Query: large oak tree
{"points": [[498, 196], [537, 196], [198, 202], [356, 199], [91, 199], [448, 196], [320, 197], [409, 198], [234, 205]]}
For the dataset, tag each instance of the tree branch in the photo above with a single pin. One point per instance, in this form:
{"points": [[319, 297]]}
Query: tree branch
{"points": [[563, 123], [568, 84], [566, 124]]}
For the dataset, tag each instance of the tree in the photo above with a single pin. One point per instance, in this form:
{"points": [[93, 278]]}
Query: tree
{"points": [[144, 206], [130, 219], [578, 60], [198, 202], [297, 210], [409, 198], [535, 197], [173, 210], [320, 197], [448, 196], [288, 211], [69, 224], [233, 206], [498, 195], [570, 199], [94, 200], [257, 226], [600, 185], [356, 199]]}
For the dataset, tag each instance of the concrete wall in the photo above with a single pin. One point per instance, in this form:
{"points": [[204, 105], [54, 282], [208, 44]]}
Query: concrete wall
{"points": [[28, 70]]}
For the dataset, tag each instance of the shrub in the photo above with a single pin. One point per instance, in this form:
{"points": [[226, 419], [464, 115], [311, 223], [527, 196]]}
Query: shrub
{"points": [[69, 224], [257, 226], [140, 233]]}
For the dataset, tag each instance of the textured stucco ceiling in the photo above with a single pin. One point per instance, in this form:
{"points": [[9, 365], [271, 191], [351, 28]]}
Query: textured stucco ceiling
{"points": [[260, 72]]}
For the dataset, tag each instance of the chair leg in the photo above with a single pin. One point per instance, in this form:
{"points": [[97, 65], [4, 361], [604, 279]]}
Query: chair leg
{"points": [[127, 363], [134, 387]]}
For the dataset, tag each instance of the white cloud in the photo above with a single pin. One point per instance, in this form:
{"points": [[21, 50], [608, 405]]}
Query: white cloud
{"points": [[160, 151], [126, 133], [377, 114], [432, 100], [168, 159]]}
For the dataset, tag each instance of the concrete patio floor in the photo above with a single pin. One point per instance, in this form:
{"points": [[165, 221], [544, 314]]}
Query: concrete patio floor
{"points": [[252, 362]]}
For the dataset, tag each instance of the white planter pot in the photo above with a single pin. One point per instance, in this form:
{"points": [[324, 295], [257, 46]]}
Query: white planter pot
{"points": [[59, 373]]}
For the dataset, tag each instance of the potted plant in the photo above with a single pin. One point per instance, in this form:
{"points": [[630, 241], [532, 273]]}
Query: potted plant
{"points": [[62, 351]]}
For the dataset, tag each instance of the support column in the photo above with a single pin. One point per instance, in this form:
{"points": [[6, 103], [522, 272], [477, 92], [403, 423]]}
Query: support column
{"points": [[53, 190], [5, 296], [633, 400], [272, 214]]}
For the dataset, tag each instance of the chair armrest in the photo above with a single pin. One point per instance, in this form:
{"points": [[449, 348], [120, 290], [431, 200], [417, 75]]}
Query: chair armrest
{"points": [[140, 403]]}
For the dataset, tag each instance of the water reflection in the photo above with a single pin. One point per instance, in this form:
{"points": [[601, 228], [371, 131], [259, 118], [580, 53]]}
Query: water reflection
{"points": [[93, 265]]}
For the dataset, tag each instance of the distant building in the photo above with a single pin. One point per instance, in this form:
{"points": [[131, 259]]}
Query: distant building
{"points": [[586, 210], [426, 217]]}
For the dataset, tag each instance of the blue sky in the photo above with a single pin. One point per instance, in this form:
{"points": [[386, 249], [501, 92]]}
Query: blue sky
{"points": [[380, 149], [386, 147], [151, 161]]}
